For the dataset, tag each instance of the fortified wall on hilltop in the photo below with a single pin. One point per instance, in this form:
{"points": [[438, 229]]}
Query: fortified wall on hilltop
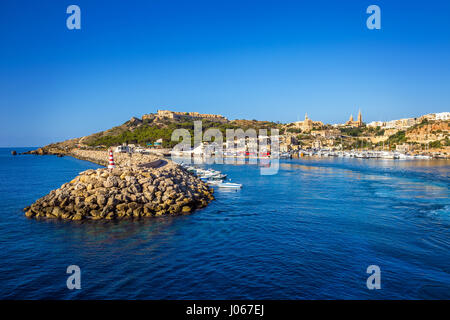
{"points": [[179, 115]]}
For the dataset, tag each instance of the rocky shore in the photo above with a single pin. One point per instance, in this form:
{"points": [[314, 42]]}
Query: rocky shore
{"points": [[141, 186]]}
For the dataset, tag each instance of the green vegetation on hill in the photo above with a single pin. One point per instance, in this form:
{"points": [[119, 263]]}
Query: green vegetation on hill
{"points": [[435, 144], [294, 130], [150, 132], [141, 135], [360, 144], [397, 138], [376, 131], [423, 123], [446, 141], [362, 131], [352, 131]]}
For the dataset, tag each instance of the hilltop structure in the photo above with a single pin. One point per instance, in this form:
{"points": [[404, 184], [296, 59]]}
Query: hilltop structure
{"points": [[161, 114], [308, 124], [357, 123]]}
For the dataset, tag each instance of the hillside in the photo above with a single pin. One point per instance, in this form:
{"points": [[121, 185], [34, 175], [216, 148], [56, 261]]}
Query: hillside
{"points": [[152, 127], [427, 134]]}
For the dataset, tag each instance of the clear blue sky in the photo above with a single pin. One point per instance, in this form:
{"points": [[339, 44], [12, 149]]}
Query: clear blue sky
{"points": [[265, 60]]}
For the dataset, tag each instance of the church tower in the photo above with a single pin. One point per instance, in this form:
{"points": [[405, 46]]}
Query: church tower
{"points": [[354, 123]]}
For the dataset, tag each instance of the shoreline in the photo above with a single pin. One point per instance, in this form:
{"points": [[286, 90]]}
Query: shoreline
{"points": [[307, 154]]}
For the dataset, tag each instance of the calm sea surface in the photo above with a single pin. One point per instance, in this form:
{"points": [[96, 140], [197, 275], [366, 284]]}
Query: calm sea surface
{"points": [[308, 232]]}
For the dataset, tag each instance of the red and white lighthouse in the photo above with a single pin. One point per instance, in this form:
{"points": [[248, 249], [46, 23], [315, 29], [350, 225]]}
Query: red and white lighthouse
{"points": [[111, 160]]}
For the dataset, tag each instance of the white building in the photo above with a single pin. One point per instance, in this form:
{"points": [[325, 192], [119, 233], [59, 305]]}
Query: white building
{"points": [[375, 124], [199, 150], [122, 149], [442, 116]]}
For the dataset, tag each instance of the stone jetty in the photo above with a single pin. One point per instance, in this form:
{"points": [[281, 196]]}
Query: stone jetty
{"points": [[140, 186]]}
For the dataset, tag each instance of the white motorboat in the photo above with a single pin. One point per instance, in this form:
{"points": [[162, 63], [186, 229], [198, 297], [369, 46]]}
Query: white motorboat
{"points": [[229, 185]]}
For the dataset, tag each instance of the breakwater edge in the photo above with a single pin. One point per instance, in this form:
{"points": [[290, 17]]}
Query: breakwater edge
{"points": [[140, 186]]}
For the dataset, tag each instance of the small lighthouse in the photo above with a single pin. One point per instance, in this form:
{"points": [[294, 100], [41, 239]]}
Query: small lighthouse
{"points": [[111, 164]]}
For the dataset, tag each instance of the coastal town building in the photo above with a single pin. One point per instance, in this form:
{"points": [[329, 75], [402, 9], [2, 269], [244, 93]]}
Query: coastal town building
{"points": [[288, 143], [327, 133], [405, 147], [317, 144], [402, 124], [375, 124], [291, 140], [308, 124], [442, 116]]}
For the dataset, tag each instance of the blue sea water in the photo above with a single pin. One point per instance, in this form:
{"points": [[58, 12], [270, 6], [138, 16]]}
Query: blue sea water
{"points": [[308, 232]]}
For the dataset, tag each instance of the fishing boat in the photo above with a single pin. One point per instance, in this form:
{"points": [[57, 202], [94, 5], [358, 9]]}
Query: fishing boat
{"points": [[212, 177], [229, 185], [221, 184], [212, 182]]}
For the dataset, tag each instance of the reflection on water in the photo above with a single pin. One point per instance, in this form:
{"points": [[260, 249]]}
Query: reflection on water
{"points": [[310, 231]]}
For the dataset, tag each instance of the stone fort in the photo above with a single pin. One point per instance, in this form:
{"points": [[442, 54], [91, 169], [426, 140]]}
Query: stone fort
{"points": [[180, 115]]}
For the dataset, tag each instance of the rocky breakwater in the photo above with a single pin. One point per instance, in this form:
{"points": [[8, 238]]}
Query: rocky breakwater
{"points": [[154, 189], [121, 159]]}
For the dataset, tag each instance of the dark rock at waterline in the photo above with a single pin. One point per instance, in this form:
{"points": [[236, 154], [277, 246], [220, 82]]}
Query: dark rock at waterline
{"points": [[14, 152], [39, 151], [60, 155]]}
